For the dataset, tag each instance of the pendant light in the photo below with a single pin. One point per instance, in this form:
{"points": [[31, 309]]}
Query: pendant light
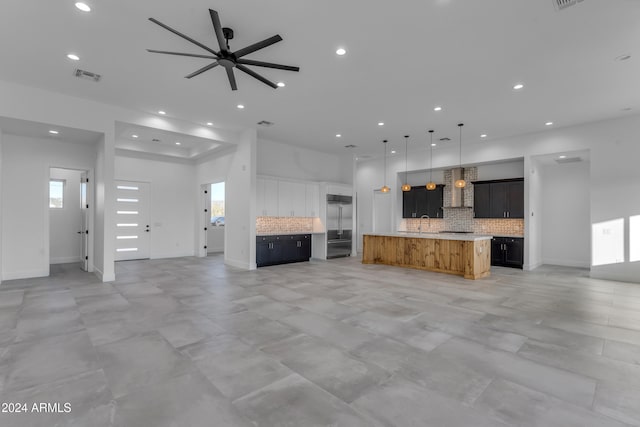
{"points": [[460, 183], [406, 186], [431, 185], [384, 188]]}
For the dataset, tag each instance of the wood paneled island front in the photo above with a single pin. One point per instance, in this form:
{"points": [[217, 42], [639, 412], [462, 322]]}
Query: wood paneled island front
{"points": [[467, 255]]}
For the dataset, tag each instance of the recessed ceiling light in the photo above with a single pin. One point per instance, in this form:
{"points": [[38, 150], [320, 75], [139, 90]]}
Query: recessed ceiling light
{"points": [[548, 124], [53, 132], [393, 151], [484, 135], [240, 106], [518, 86], [338, 135], [134, 136], [177, 143], [280, 84], [380, 123], [83, 6], [562, 157], [162, 112], [209, 124], [438, 108], [623, 57], [73, 57], [341, 51], [434, 144]]}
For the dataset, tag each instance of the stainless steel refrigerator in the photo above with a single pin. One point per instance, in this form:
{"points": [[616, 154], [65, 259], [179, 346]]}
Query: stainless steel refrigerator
{"points": [[339, 225]]}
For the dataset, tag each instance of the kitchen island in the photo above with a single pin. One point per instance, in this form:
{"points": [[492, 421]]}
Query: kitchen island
{"points": [[467, 255]]}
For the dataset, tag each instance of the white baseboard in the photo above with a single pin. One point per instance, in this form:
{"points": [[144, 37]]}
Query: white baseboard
{"points": [[529, 267], [566, 263], [239, 264], [64, 260], [98, 273], [25, 274]]}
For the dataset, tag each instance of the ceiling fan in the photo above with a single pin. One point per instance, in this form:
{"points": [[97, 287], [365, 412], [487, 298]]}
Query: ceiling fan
{"points": [[225, 57]]}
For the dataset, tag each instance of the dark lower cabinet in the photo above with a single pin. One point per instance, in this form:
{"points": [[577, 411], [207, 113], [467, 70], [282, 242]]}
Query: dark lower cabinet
{"points": [[507, 251], [282, 249]]}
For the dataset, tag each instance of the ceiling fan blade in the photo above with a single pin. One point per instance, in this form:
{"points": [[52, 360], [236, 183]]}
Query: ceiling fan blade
{"points": [[177, 33], [256, 76], [232, 78], [267, 65], [257, 46], [217, 27], [202, 70], [182, 54]]}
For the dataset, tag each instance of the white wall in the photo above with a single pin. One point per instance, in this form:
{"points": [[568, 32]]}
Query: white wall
{"points": [[237, 167], [1, 192], [614, 146], [172, 201], [566, 214], [25, 203], [533, 214], [65, 222], [288, 161]]}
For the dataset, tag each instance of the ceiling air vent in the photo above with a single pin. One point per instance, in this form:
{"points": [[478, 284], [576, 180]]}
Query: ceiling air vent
{"points": [[563, 4], [569, 160], [155, 140], [350, 146], [445, 139], [265, 123], [87, 75]]}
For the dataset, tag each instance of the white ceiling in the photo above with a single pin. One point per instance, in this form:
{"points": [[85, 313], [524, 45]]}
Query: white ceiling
{"points": [[41, 131], [402, 59], [162, 142]]}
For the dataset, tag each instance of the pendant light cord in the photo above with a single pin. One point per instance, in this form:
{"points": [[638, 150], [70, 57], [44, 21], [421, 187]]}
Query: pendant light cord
{"points": [[406, 150], [460, 126], [431, 157], [384, 144]]}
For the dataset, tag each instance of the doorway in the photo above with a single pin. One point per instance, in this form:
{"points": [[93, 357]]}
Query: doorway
{"points": [[214, 197], [133, 240], [69, 219]]}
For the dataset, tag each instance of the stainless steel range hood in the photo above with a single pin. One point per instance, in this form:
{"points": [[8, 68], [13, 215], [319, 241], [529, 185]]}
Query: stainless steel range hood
{"points": [[457, 194]]}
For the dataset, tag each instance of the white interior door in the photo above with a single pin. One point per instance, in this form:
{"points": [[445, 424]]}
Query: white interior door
{"points": [[84, 225], [132, 220]]}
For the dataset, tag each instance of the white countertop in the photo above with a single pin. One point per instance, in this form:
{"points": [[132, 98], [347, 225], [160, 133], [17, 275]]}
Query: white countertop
{"points": [[441, 236]]}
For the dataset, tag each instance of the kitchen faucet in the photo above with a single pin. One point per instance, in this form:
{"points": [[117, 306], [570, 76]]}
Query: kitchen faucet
{"points": [[420, 225]]}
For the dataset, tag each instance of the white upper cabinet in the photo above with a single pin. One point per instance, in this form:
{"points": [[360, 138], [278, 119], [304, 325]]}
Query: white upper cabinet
{"points": [[266, 197], [275, 197], [291, 198], [313, 200]]}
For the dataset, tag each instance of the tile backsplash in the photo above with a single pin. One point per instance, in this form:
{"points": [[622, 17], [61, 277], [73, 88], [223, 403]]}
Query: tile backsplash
{"points": [[283, 225], [462, 220]]}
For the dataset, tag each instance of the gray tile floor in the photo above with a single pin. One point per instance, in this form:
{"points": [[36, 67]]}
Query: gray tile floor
{"points": [[192, 342]]}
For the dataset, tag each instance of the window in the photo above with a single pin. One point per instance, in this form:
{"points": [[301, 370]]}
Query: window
{"points": [[217, 204], [56, 193]]}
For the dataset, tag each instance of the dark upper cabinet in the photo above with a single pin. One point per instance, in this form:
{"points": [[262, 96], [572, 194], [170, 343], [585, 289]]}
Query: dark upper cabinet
{"points": [[499, 199], [482, 200], [420, 201]]}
